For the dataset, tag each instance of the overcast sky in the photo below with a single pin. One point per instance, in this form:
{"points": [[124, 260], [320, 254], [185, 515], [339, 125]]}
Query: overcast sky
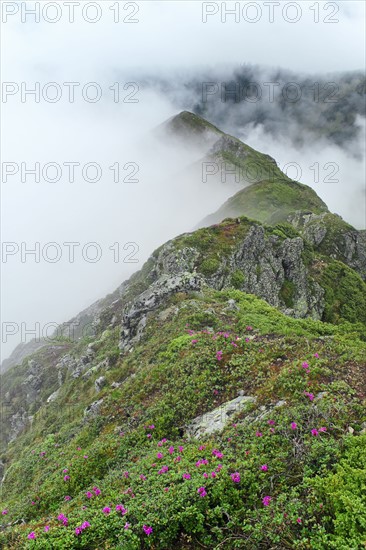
{"points": [[167, 38]]}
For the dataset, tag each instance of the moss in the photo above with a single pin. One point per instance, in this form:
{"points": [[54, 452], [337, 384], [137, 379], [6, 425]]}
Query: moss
{"points": [[287, 293], [345, 293], [209, 266], [237, 279]]}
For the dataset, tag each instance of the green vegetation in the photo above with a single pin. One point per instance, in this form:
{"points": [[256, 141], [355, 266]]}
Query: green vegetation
{"points": [[174, 375], [345, 293], [270, 201], [287, 293], [109, 462], [237, 279]]}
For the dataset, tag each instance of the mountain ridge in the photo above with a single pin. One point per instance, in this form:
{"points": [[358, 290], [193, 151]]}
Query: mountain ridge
{"points": [[174, 415]]}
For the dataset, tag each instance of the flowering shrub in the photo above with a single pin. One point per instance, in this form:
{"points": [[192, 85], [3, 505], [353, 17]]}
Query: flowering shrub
{"points": [[290, 476]]}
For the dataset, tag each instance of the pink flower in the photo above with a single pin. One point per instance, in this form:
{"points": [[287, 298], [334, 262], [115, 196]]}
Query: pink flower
{"points": [[258, 434], [293, 425], [177, 459], [266, 501], [47, 528], [89, 494], [147, 530], [205, 475], [217, 453], [264, 468], [32, 535], [202, 491], [63, 519], [314, 431], [298, 520], [85, 456], [316, 355], [323, 429], [151, 427], [163, 470], [180, 448], [309, 395], [171, 450], [186, 476], [126, 474], [305, 365], [96, 491], [67, 497], [235, 477], [121, 508], [127, 526], [213, 474], [78, 530], [149, 436], [249, 328], [194, 341], [4, 512], [66, 478], [143, 477], [65, 471], [219, 355], [159, 455], [271, 422], [106, 510]]}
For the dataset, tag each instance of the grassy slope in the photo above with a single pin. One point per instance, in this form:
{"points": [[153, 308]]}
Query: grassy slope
{"points": [[270, 201], [314, 481], [167, 381]]}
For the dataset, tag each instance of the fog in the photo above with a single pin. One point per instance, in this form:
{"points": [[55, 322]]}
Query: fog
{"points": [[157, 63]]}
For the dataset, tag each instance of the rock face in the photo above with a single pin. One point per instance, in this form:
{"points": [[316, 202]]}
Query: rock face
{"points": [[267, 264], [135, 314], [330, 234], [217, 419]]}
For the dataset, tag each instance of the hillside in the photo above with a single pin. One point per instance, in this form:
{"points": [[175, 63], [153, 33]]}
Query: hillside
{"points": [[215, 400]]}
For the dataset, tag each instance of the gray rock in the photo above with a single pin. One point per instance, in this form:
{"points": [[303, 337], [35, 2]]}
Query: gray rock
{"points": [[53, 396], [217, 419], [93, 409], [100, 383], [136, 313]]}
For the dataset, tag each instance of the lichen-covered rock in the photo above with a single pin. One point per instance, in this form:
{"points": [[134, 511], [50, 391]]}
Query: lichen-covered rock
{"points": [[331, 235], [135, 314], [93, 409], [53, 396], [217, 419], [100, 383], [18, 422]]}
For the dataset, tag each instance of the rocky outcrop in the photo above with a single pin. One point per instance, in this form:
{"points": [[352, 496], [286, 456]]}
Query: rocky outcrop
{"points": [[93, 410], [331, 235], [267, 264], [217, 419], [135, 314]]}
